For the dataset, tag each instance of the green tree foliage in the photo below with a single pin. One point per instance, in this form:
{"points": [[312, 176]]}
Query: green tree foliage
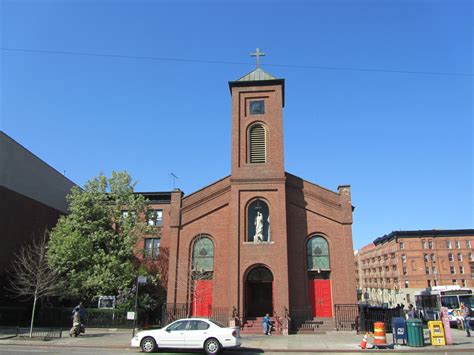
{"points": [[92, 248]]}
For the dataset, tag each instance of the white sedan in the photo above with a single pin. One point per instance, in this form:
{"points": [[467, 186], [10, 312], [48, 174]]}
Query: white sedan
{"points": [[189, 333]]}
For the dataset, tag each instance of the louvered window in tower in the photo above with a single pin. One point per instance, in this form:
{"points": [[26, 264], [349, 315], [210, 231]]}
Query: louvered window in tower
{"points": [[258, 151]]}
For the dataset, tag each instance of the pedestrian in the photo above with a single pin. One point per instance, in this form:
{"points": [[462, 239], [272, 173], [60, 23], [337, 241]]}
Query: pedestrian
{"points": [[466, 316], [76, 322], [411, 312], [267, 325], [82, 311]]}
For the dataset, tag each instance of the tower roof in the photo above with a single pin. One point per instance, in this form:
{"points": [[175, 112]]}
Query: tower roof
{"points": [[257, 75]]}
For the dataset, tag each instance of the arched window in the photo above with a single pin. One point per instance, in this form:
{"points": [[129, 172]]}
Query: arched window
{"points": [[257, 144], [202, 283], [317, 252], [203, 255], [258, 217]]}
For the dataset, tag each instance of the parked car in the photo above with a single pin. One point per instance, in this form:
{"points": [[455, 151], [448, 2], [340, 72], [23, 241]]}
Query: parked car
{"points": [[189, 333]]}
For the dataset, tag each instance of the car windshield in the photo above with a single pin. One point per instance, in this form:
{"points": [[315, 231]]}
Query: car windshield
{"points": [[217, 323]]}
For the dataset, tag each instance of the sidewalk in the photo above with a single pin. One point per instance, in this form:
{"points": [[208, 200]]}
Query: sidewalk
{"points": [[332, 341]]}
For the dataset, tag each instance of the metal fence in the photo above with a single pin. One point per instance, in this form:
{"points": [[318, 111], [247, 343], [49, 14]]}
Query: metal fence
{"points": [[369, 315], [45, 333], [362, 317], [346, 316], [62, 318]]}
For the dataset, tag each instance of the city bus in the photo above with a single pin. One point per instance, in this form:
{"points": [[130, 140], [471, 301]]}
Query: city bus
{"points": [[429, 301]]}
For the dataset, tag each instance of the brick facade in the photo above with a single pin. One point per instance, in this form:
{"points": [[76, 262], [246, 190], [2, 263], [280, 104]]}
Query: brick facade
{"points": [[297, 209], [395, 267]]}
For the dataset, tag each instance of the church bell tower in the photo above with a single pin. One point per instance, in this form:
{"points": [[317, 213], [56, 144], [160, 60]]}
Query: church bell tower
{"points": [[257, 125], [258, 259]]}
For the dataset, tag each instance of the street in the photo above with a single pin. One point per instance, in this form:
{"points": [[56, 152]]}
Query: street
{"points": [[44, 349]]}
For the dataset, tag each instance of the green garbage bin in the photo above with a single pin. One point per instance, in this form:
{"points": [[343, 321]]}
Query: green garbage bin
{"points": [[415, 332]]}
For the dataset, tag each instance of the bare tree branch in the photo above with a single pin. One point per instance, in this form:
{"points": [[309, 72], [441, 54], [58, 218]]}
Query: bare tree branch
{"points": [[30, 275]]}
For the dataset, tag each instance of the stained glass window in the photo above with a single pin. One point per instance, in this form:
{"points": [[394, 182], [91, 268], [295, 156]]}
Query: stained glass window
{"points": [[317, 251], [203, 254]]}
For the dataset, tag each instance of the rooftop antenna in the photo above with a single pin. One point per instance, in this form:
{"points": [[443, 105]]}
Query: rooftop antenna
{"points": [[174, 177]]}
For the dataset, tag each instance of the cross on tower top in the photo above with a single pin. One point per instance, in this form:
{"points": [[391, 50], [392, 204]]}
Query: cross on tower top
{"points": [[257, 54]]}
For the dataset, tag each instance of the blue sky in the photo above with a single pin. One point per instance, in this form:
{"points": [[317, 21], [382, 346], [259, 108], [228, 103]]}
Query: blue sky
{"points": [[379, 95]]}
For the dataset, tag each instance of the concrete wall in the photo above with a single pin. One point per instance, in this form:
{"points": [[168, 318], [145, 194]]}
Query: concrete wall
{"points": [[23, 172]]}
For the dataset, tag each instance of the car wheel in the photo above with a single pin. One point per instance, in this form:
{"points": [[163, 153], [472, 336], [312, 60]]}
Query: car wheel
{"points": [[148, 345], [212, 346]]}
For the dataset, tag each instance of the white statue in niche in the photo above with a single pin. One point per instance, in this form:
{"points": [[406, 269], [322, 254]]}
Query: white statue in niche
{"points": [[258, 237]]}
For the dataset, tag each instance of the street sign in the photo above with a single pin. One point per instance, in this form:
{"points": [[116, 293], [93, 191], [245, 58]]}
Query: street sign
{"points": [[142, 279], [130, 315]]}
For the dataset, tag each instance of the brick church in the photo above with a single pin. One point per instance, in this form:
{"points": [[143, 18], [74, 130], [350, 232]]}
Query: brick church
{"points": [[260, 240]]}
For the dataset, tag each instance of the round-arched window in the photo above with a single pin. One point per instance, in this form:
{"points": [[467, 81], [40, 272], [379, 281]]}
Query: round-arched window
{"points": [[317, 253], [258, 217], [203, 254]]}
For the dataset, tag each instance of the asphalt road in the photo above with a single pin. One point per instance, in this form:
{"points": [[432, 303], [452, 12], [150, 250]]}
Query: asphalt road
{"points": [[40, 350]]}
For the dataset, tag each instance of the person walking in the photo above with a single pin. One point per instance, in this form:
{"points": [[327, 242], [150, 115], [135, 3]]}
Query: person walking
{"points": [[466, 316], [411, 312], [267, 325], [76, 323]]}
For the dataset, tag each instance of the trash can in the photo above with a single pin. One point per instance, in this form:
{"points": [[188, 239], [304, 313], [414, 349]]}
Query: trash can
{"points": [[399, 330], [415, 332]]}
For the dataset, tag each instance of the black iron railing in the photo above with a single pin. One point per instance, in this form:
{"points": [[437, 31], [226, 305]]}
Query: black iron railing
{"points": [[346, 316]]}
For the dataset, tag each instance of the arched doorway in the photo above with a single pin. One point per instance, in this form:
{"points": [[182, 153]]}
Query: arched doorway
{"points": [[259, 292]]}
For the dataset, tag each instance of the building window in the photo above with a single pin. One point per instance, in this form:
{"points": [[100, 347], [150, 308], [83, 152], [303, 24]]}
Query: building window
{"points": [[436, 282], [203, 257], [155, 218], [468, 243], [429, 283], [464, 283], [404, 259], [427, 270], [472, 272], [317, 253], [257, 107], [152, 248], [461, 270], [423, 244], [258, 144], [434, 270], [425, 257], [430, 244], [470, 257], [455, 282], [433, 258], [457, 244], [407, 284], [404, 270], [450, 257], [402, 245], [453, 270], [258, 229], [448, 244], [459, 257]]}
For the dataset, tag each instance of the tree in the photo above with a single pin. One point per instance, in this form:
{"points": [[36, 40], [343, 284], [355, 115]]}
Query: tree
{"points": [[92, 248], [31, 275]]}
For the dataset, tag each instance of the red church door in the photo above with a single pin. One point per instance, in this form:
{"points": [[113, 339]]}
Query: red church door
{"points": [[320, 297], [201, 304]]}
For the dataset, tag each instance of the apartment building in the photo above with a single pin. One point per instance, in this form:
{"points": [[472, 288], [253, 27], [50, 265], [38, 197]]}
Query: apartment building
{"points": [[395, 267]]}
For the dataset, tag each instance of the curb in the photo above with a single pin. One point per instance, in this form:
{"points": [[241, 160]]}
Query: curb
{"points": [[247, 349]]}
